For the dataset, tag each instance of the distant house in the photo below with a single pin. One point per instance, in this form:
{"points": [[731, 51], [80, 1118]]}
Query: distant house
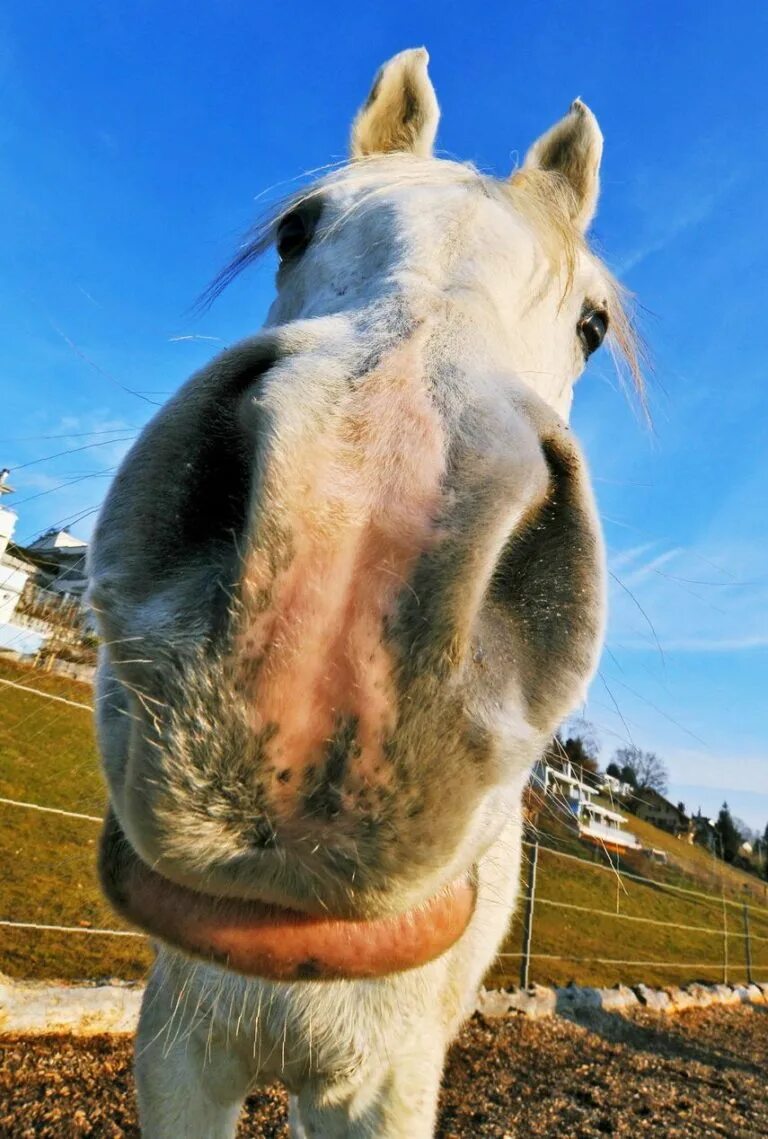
{"points": [[60, 559], [42, 586], [605, 828], [653, 808], [614, 786], [15, 574], [596, 824], [702, 831], [13, 571], [54, 596], [562, 782]]}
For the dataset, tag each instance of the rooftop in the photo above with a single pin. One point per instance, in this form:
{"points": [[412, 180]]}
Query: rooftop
{"points": [[58, 540]]}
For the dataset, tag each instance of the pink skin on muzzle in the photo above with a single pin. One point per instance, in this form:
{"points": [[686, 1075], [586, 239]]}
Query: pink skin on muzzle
{"points": [[359, 519], [262, 940]]}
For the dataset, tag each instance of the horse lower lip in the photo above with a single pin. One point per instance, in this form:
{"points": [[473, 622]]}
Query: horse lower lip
{"points": [[257, 939]]}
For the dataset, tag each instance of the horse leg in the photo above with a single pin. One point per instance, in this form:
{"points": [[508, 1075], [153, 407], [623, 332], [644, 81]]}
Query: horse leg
{"points": [[188, 1082], [399, 1102]]}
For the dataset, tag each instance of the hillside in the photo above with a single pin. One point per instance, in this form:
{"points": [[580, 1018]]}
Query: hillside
{"points": [[48, 756], [590, 906]]}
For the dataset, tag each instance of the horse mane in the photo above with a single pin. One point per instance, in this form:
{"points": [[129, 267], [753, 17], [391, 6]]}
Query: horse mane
{"points": [[543, 197]]}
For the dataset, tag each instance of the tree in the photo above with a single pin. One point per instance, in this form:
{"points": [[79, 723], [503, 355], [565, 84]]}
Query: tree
{"points": [[648, 770], [681, 808], [576, 750], [578, 727], [614, 771], [745, 830], [553, 752], [728, 837], [581, 748], [628, 775]]}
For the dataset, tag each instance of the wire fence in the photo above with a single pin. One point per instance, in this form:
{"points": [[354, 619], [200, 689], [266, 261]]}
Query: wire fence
{"points": [[46, 695], [734, 940], [564, 920]]}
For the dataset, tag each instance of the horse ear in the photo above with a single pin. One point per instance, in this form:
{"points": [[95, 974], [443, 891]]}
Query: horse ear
{"points": [[573, 148], [401, 111]]}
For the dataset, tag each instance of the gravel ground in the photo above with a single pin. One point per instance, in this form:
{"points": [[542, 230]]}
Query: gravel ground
{"points": [[701, 1073]]}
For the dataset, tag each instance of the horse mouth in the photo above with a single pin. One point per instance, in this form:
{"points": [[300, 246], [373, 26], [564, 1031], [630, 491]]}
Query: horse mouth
{"points": [[263, 940]]}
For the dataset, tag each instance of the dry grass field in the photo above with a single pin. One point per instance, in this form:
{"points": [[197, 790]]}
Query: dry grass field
{"points": [[48, 756], [622, 917]]}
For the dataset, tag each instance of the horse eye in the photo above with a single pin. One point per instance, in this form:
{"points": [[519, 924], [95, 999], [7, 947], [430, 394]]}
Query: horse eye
{"points": [[294, 234], [592, 329]]}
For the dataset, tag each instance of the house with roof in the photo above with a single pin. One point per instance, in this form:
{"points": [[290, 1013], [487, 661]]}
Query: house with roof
{"points": [[615, 787], [15, 575], [652, 807], [60, 561], [702, 831], [595, 823], [42, 586]]}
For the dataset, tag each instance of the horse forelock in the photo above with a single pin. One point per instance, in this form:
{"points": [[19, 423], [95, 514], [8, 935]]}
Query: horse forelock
{"points": [[543, 197]]}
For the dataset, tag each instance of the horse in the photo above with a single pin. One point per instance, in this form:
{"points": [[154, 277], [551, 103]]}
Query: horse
{"points": [[348, 581]]}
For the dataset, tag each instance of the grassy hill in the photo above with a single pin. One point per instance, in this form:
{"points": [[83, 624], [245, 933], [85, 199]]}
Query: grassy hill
{"points": [[48, 756], [590, 909]]}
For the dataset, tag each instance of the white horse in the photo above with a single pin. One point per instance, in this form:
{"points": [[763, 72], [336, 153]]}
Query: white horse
{"points": [[349, 581]]}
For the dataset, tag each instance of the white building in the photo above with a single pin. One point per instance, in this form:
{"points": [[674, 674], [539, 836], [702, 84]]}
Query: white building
{"points": [[614, 786], [605, 828], [60, 558], [14, 574], [595, 823]]}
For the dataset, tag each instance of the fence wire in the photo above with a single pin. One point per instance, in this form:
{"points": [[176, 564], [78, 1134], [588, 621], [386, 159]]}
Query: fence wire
{"points": [[71, 929], [47, 695], [716, 899], [730, 938], [530, 898]]}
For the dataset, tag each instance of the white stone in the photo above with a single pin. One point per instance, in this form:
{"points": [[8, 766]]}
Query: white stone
{"points": [[702, 995], [655, 999], [617, 999], [725, 995], [84, 1010], [535, 1002], [574, 999], [680, 999]]}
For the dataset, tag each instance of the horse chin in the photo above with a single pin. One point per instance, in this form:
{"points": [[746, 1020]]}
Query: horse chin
{"points": [[259, 939]]}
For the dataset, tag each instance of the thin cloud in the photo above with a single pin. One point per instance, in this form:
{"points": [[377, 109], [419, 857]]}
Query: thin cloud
{"points": [[693, 604], [698, 212], [668, 209], [746, 643]]}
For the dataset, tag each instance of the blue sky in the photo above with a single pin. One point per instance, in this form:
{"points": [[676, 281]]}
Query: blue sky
{"points": [[136, 137]]}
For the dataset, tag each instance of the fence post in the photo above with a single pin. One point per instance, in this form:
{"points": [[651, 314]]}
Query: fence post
{"points": [[747, 944], [525, 963], [725, 940]]}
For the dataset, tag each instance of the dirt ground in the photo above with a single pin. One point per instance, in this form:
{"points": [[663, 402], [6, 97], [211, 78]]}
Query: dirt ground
{"points": [[701, 1073]]}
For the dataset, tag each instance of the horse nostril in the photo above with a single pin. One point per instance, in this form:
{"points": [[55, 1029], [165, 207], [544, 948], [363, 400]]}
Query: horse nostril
{"points": [[262, 836]]}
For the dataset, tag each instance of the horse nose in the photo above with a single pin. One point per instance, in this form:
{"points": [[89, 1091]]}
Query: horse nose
{"points": [[498, 477], [341, 518]]}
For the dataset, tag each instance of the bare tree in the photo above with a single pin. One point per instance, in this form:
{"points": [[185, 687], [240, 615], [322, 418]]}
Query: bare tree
{"points": [[647, 768], [578, 727]]}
